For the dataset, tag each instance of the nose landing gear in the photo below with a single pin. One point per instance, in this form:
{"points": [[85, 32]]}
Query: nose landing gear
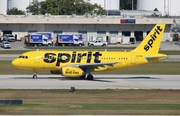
{"points": [[35, 75]]}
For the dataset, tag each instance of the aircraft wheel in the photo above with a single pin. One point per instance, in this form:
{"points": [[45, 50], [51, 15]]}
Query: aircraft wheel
{"points": [[104, 45], [91, 45], [90, 77], [34, 76]]}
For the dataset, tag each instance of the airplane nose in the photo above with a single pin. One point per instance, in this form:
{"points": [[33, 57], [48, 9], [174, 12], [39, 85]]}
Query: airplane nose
{"points": [[15, 63]]}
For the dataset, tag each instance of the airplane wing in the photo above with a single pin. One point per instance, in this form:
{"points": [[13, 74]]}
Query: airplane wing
{"points": [[94, 65]]}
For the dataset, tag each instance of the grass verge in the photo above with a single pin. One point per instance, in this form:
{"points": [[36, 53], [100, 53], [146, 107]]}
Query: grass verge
{"points": [[93, 102], [155, 68]]}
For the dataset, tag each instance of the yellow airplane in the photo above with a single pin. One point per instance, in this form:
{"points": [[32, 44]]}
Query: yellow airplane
{"points": [[82, 63]]}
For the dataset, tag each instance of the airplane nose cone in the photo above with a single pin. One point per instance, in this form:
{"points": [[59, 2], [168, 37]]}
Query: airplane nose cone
{"points": [[15, 63]]}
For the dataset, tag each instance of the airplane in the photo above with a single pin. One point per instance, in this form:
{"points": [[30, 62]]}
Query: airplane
{"points": [[82, 63]]}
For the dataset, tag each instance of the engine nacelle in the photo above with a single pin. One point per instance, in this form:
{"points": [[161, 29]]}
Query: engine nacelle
{"points": [[55, 71], [72, 72]]}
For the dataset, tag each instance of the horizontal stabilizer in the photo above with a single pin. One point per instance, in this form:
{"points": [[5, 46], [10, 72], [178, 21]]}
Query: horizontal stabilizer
{"points": [[151, 58]]}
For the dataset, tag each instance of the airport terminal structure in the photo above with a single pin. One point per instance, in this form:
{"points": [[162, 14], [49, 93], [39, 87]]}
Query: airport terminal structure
{"points": [[90, 27], [133, 23]]}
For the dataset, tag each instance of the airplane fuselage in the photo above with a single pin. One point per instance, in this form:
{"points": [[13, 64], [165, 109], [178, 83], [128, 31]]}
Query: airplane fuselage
{"points": [[54, 60]]}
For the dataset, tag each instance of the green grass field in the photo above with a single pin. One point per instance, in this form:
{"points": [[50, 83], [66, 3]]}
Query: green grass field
{"points": [[92, 102]]}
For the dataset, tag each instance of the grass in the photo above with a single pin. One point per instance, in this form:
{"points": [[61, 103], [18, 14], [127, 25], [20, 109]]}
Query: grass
{"points": [[154, 68], [93, 102]]}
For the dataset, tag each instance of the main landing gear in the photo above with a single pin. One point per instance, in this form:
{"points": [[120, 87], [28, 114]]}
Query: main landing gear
{"points": [[89, 77], [88, 74]]}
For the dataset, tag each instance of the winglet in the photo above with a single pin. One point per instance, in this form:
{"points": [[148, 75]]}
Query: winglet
{"points": [[152, 42]]}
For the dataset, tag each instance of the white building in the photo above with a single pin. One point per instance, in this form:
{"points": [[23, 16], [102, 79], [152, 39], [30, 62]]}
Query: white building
{"points": [[3, 7], [9, 4], [166, 7], [20, 4]]}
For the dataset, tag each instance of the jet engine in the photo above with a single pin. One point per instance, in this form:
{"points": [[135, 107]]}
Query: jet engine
{"points": [[72, 72]]}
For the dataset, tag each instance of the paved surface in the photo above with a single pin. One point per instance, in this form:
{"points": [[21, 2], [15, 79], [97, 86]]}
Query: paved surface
{"points": [[164, 45], [16, 46], [100, 82]]}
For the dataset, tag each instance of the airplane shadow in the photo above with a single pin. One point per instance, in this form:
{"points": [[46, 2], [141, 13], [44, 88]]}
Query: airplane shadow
{"points": [[135, 77], [62, 79], [96, 78]]}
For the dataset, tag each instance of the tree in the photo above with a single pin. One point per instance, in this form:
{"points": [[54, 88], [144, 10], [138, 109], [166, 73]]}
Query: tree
{"points": [[15, 11], [34, 8], [64, 7]]}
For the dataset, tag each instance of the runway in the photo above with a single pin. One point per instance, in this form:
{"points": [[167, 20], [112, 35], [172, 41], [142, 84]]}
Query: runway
{"points": [[99, 82]]}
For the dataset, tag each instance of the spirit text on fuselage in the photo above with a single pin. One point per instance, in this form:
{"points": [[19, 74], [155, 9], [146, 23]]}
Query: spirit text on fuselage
{"points": [[73, 57]]}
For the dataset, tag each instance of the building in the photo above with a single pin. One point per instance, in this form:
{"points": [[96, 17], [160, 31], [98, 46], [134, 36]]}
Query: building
{"points": [[90, 27], [166, 7], [3, 7], [9, 4]]}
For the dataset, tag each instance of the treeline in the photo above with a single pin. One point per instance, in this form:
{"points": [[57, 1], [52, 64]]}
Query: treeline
{"points": [[67, 7]]}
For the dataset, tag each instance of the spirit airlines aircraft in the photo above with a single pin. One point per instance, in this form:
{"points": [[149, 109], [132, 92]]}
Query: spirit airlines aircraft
{"points": [[82, 63]]}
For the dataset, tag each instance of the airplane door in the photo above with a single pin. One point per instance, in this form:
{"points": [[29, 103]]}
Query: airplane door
{"points": [[133, 59], [36, 58]]}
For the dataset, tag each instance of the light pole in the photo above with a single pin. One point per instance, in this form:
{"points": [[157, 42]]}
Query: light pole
{"points": [[107, 8], [58, 7], [74, 8], [132, 4]]}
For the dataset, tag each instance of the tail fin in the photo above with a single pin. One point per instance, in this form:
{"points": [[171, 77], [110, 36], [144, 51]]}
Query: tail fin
{"points": [[152, 42]]}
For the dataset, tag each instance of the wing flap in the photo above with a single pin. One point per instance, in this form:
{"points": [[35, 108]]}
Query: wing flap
{"points": [[95, 65]]}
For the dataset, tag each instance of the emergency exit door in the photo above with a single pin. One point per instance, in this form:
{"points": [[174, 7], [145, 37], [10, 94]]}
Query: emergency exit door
{"points": [[36, 58]]}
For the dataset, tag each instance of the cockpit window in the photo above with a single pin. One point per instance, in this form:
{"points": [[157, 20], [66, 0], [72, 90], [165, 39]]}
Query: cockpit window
{"points": [[24, 57]]}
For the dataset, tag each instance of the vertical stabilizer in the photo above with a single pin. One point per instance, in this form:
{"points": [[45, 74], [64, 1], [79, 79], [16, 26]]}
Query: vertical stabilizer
{"points": [[152, 42]]}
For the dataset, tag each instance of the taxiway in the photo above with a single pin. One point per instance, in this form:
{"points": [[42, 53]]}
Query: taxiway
{"points": [[100, 82]]}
